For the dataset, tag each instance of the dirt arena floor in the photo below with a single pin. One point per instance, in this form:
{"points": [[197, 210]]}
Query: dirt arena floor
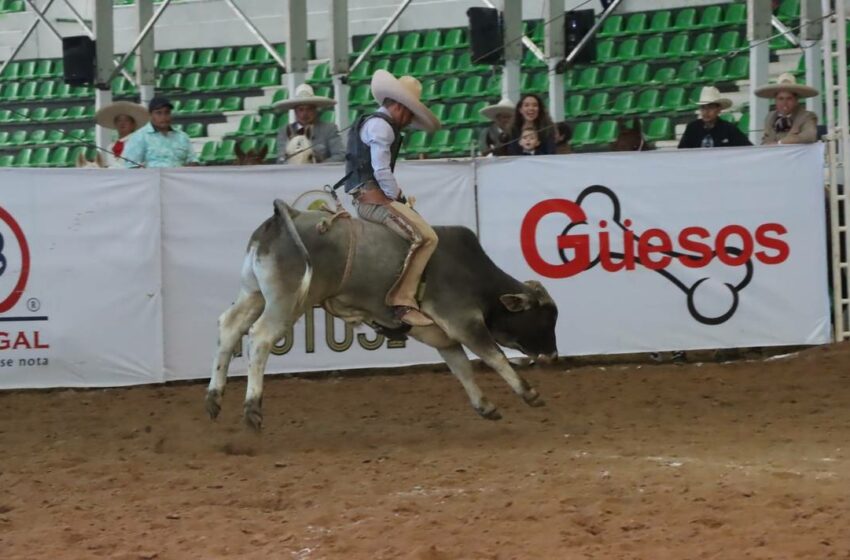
{"points": [[748, 459]]}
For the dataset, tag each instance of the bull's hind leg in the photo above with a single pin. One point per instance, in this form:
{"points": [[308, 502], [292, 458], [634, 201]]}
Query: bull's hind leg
{"points": [[460, 365], [232, 325]]}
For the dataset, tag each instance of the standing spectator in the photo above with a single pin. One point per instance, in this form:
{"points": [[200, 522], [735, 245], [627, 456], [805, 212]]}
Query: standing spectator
{"points": [[709, 130], [157, 144], [789, 123], [124, 117], [327, 145], [494, 139], [531, 113]]}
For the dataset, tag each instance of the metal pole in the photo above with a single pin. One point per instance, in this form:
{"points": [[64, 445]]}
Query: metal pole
{"points": [[260, 37], [828, 62], [145, 71], [511, 74], [555, 53], [611, 7], [380, 35], [43, 19], [758, 30], [141, 37], [811, 33], [23, 40], [339, 60], [782, 28], [835, 250], [844, 124]]}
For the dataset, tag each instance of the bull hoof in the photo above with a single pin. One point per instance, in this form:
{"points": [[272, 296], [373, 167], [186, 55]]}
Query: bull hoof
{"points": [[213, 404], [252, 415], [532, 398], [489, 411]]}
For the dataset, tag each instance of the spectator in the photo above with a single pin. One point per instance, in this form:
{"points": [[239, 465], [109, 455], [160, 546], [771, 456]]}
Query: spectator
{"points": [[529, 142], [327, 145], [124, 117], [531, 113], [789, 123], [494, 139], [563, 135], [709, 130], [158, 144]]}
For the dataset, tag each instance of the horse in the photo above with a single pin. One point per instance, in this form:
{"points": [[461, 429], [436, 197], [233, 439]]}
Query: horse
{"points": [[97, 163], [254, 156], [299, 149], [631, 139]]}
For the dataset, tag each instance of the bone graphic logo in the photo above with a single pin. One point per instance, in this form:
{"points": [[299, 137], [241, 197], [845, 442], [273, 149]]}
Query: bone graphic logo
{"points": [[730, 256], [13, 250]]}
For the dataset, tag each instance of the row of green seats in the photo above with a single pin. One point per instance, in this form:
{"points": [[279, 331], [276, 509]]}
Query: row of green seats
{"points": [[452, 88], [63, 156], [33, 69], [668, 21], [221, 57], [42, 90], [75, 136], [673, 100], [270, 123], [416, 66], [209, 105], [224, 152], [11, 6], [590, 133], [680, 45], [618, 76], [440, 143], [46, 114], [220, 81], [414, 41]]}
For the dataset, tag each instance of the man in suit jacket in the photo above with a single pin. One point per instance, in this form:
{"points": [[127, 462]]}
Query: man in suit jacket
{"points": [[789, 123], [327, 144]]}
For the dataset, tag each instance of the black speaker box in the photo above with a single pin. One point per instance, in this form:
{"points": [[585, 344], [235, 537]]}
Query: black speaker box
{"points": [[577, 23], [486, 36], [78, 57]]}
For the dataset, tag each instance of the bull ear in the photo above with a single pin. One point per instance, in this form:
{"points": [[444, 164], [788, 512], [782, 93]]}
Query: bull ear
{"points": [[515, 302]]}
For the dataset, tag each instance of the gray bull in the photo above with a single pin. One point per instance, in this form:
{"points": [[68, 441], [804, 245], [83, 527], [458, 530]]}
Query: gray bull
{"points": [[299, 259]]}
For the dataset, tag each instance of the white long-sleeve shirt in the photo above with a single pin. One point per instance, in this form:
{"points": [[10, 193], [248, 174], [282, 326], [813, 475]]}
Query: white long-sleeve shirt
{"points": [[379, 136]]}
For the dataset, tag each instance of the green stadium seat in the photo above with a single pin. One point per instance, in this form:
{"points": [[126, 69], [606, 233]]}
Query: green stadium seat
{"points": [[739, 68], [636, 23], [711, 17], [688, 72], [440, 143], [638, 74], [493, 87], [583, 133], [7, 160], [38, 114], [362, 72], [57, 114], [17, 138], [614, 77], [574, 106], [212, 105], [533, 29], [464, 141], [729, 41], [321, 74], [249, 79], [410, 43], [652, 48], [46, 90], [10, 91], [11, 71], [789, 10], [22, 158], [611, 27], [28, 91], [432, 41], [171, 82], [268, 124], [223, 57], [244, 56], [231, 103], [44, 69], [166, 61], [359, 43], [389, 45], [208, 153], [416, 143], [280, 95], [685, 20], [714, 71], [780, 43], [190, 107], [269, 77], [673, 101], [736, 14], [195, 130], [588, 79], [529, 60], [71, 160], [381, 64], [55, 136], [606, 132], [450, 88], [360, 95], [15, 6], [211, 81], [663, 76], [4, 137], [457, 114], [6, 115], [703, 45], [429, 90], [38, 136], [247, 126], [535, 83], [225, 152], [648, 100], [27, 69], [678, 46], [623, 104], [660, 128], [402, 66], [324, 91], [466, 65], [186, 59], [327, 116], [445, 64], [423, 67], [605, 50], [58, 156], [248, 144], [40, 157], [475, 116], [598, 103], [456, 39], [744, 123]]}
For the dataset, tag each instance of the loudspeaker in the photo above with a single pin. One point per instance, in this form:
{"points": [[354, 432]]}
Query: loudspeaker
{"points": [[78, 57], [486, 36], [577, 23]]}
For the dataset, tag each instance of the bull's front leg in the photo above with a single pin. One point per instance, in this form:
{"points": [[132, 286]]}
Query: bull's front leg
{"points": [[461, 367]]}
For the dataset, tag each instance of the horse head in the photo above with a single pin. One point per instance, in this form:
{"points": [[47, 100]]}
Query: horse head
{"points": [[299, 149], [253, 156], [97, 163], [630, 139]]}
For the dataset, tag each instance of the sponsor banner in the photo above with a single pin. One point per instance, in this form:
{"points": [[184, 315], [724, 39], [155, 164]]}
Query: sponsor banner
{"points": [[79, 278], [667, 250], [208, 218]]}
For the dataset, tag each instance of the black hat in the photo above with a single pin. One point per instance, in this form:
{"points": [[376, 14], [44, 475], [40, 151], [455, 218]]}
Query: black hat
{"points": [[159, 103]]}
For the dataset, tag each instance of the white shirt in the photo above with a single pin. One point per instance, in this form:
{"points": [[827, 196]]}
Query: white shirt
{"points": [[379, 136]]}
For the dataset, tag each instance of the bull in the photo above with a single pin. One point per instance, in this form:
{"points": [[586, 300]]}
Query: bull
{"points": [[296, 260]]}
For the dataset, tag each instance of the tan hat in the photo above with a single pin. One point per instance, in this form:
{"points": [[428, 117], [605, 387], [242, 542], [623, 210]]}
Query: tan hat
{"points": [[786, 82], [503, 107], [105, 117], [304, 95], [406, 90], [710, 95]]}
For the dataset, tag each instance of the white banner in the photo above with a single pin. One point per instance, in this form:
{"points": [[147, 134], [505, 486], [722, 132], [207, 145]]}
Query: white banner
{"points": [[667, 250], [208, 217], [79, 278]]}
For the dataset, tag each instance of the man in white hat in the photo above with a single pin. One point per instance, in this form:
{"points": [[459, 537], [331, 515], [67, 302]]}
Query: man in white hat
{"points": [[789, 123], [373, 145], [495, 138], [709, 130], [124, 117], [327, 145]]}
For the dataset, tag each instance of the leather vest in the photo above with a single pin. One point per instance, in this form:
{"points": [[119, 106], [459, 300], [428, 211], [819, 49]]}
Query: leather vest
{"points": [[358, 159]]}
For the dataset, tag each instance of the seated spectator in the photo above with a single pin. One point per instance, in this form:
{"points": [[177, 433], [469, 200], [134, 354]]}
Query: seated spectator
{"points": [[709, 130], [326, 143], [494, 139], [563, 135], [157, 144], [529, 142], [789, 123], [531, 113], [124, 117]]}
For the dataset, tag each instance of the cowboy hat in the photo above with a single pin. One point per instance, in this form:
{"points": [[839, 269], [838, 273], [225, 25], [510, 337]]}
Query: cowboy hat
{"points": [[405, 90], [304, 96], [710, 95], [105, 117], [503, 107], [786, 82]]}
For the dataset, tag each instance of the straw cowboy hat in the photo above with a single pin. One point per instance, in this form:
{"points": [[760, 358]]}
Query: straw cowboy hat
{"points": [[710, 95], [406, 90], [105, 117], [503, 107], [304, 95], [786, 82]]}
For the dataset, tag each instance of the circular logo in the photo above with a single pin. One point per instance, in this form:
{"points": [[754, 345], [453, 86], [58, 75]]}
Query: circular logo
{"points": [[7, 301]]}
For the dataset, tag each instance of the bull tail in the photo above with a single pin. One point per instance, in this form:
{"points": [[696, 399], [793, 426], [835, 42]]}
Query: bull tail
{"points": [[287, 213]]}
